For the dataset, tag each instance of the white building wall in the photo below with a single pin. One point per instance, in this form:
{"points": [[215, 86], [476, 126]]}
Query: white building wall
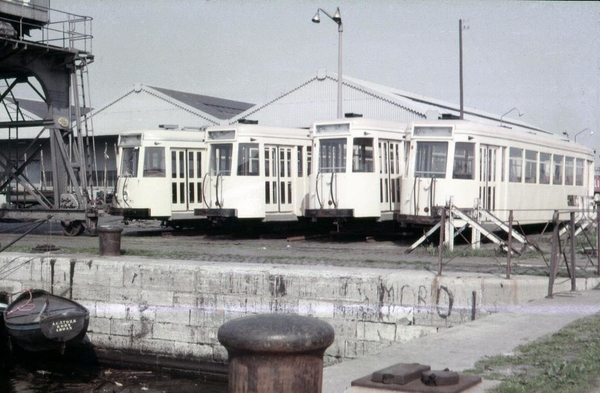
{"points": [[141, 110], [317, 100]]}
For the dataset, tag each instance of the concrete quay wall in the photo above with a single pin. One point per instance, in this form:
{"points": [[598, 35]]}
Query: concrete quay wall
{"points": [[173, 309]]}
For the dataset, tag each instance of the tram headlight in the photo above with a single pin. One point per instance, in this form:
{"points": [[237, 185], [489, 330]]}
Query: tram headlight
{"points": [[125, 196]]}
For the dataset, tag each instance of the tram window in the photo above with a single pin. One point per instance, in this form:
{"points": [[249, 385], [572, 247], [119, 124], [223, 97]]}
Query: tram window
{"points": [[300, 162], [220, 159], [332, 155], [558, 169], [464, 157], [248, 159], [129, 163], [579, 172], [530, 166], [515, 165], [308, 160], [545, 168], [569, 168], [431, 159], [362, 155], [154, 162]]}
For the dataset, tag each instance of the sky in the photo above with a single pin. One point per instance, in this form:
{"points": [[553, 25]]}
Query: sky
{"points": [[541, 57]]}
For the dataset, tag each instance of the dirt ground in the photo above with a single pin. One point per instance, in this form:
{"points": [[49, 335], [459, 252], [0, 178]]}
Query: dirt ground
{"points": [[388, 251]]}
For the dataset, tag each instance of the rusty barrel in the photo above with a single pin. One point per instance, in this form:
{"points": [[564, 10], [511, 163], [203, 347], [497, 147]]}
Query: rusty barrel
{"points": [[275, 353], [110, 240]]}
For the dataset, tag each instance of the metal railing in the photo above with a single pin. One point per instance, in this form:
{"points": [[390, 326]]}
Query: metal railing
{"points": [[62, 29]]}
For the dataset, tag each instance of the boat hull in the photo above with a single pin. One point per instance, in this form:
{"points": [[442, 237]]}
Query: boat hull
{"points": [[38, 321]]}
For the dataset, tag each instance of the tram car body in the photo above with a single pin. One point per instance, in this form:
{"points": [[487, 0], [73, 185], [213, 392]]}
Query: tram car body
{"points": [[357, 170], [160, 175], [495, 168], [256, 173]]}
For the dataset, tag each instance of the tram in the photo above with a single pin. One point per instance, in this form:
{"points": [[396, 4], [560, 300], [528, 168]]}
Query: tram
{"points": [[494, 168], [160, 176], [256, 173], [358, 170]]}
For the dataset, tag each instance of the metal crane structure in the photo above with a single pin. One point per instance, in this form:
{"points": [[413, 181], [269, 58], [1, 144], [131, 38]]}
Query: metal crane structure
{"points": [[44, 54]]}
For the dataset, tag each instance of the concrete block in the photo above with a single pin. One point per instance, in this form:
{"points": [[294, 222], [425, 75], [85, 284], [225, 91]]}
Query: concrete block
{"points": [[205, 335], [157, 297], [185, 299], [111, 310], [173, 332], [135, 330], [127, 295], [407, 333], [374, 331], [132, 275], [315, 308], [195, 350], [93, 293], [158, 347], [99, 325], [206, 318], [142, 311], [241, 304], [178, 315]]}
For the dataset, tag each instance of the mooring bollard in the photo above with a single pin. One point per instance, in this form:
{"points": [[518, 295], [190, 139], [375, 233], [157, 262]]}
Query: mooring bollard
{"points": [[110, 240], [276, 353]]}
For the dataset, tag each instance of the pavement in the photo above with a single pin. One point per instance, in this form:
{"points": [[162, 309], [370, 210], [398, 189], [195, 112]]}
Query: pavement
{"points": [[459, 347]]}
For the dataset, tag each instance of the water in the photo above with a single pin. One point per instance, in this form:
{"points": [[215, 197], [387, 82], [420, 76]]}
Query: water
{"points": [[30, 372]]}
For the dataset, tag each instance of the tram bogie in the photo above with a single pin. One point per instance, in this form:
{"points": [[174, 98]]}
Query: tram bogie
{"points": [[160, 175], [256, 173]]}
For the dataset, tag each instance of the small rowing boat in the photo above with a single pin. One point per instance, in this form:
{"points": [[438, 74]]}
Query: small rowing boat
{"points": [[37, 320]]}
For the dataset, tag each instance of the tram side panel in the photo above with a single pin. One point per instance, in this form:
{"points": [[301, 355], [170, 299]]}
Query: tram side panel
{"points": [[494, 169]]}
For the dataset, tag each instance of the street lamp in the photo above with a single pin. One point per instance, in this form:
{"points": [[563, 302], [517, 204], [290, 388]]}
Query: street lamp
{"points": [[520, 114], [585, 129], [337, 18]]}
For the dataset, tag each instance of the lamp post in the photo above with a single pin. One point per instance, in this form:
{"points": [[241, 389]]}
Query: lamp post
{"points": [[585, 129], [337, 18], [520, 114]]}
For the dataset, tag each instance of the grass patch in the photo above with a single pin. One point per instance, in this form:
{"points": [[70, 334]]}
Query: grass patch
{"points": [[566, 362]]}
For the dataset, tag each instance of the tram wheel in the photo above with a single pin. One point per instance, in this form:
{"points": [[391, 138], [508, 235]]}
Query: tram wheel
{"points": [[72, 228]]}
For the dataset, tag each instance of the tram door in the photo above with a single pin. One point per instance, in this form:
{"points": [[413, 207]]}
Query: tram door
{"points": [[278, 178], [186, 179], [389, 175], [489, 175]]}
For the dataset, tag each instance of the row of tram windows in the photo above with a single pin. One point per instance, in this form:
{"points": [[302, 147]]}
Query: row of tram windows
{"points": [[524, 166], [332, 155], [154, 163], [277, 160], [531, 166], [280, 165]]}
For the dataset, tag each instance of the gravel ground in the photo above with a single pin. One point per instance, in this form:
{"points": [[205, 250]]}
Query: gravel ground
{"points": [[148, 239]]}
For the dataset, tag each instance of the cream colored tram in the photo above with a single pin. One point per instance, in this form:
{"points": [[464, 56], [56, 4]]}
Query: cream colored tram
{"points": [[160, 175], [256, 173], [358, 169], [493, 168]]}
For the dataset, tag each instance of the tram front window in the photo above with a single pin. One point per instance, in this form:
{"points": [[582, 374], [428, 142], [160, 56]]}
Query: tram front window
{"points": [[362, 155], [332, 155], [220, 159], [129, 162], [248, 159], [463, 160], [154, 162], [431, 159]]}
